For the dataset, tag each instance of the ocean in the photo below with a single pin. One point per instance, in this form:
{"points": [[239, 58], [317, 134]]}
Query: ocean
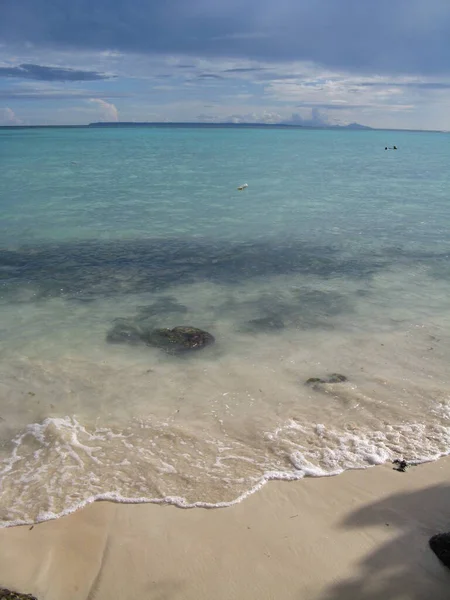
{"points": [[334, 260]]}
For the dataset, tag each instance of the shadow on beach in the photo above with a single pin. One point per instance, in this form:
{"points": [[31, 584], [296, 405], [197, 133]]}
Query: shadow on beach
{"points": [[404, 568]]}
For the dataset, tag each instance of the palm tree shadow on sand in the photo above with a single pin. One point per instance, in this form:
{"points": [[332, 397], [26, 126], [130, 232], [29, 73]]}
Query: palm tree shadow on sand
{"points": [[404, 568]]}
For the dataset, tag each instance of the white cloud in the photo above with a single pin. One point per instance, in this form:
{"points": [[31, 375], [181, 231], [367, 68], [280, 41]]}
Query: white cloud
{"points": [[108, 111], [255, 117], [9, 117], [339, 89], [174, 88]]}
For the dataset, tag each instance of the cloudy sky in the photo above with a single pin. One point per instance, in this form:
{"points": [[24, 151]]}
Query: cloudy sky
{"points": [[383, 63]]}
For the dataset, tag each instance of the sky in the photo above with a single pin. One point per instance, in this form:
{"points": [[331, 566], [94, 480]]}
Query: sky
{"points": [[381, 63]]}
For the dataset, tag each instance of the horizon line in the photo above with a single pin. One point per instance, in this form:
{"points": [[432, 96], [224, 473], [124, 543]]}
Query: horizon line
{"points": [[223, 124]]}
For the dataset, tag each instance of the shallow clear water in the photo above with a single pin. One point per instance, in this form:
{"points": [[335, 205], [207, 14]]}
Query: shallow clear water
{"points": [[335, 259]]}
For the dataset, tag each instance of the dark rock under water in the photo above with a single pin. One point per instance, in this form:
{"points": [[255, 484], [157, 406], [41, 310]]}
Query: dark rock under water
{"points": [[124, 332], [173, 341], [162, 306], [265, 324], [178, 339]]}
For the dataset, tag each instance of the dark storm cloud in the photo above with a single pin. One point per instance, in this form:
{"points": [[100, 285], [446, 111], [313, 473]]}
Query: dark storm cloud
{"points": [[245, 70], [43, 73], [208, 76], [409, 36], [53, 94]]}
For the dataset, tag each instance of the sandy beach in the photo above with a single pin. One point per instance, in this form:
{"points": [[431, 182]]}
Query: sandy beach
{"points": [[361, 535]]}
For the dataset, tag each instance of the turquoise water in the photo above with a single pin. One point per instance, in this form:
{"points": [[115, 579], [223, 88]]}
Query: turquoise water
{"points": [[334, 259], [315, 186]]}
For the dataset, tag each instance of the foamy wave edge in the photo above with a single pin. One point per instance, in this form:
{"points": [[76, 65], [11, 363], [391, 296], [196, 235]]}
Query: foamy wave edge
{"points": [[180, 502]]}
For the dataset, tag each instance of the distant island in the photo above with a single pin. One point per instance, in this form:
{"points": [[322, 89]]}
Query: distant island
{"points": [[174, 124], [355, 126]]}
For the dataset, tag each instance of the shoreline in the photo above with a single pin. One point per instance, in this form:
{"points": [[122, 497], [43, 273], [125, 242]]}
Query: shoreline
{"points": [[180, 503], [363, 534]]}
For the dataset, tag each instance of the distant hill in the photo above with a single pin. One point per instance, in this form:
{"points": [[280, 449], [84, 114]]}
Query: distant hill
{"points": [[354, 126]]}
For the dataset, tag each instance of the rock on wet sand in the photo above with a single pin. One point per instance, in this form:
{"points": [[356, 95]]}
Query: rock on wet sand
{"points": [[440, 544]]}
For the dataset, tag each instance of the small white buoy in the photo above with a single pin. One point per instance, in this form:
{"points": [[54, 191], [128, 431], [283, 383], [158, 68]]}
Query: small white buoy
{"points": [[242, 187]]}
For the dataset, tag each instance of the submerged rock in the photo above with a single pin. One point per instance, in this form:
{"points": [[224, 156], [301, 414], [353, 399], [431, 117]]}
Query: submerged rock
{"points": [[178, 339], [333, 378], [124, 332], [336, 378], [440, 544], [314, 380], [265, 324], [9, 595], [162, 306]]}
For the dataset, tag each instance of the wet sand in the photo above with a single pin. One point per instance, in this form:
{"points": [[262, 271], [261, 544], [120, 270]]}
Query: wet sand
{"points": [[361, 535]]}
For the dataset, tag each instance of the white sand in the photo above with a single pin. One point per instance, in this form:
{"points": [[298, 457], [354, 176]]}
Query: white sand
{"points": [[360, 536]]}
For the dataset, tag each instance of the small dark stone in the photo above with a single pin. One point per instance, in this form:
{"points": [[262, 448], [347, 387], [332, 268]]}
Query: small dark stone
{"points": [[314, 380], [401, 465], [123, 333], [336, 378], [440, 544], [333, 378], [178, 339], [9, 595]]}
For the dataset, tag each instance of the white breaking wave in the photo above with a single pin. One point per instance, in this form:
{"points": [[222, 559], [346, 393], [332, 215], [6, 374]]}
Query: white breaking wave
{"points": [[58, 466]]}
